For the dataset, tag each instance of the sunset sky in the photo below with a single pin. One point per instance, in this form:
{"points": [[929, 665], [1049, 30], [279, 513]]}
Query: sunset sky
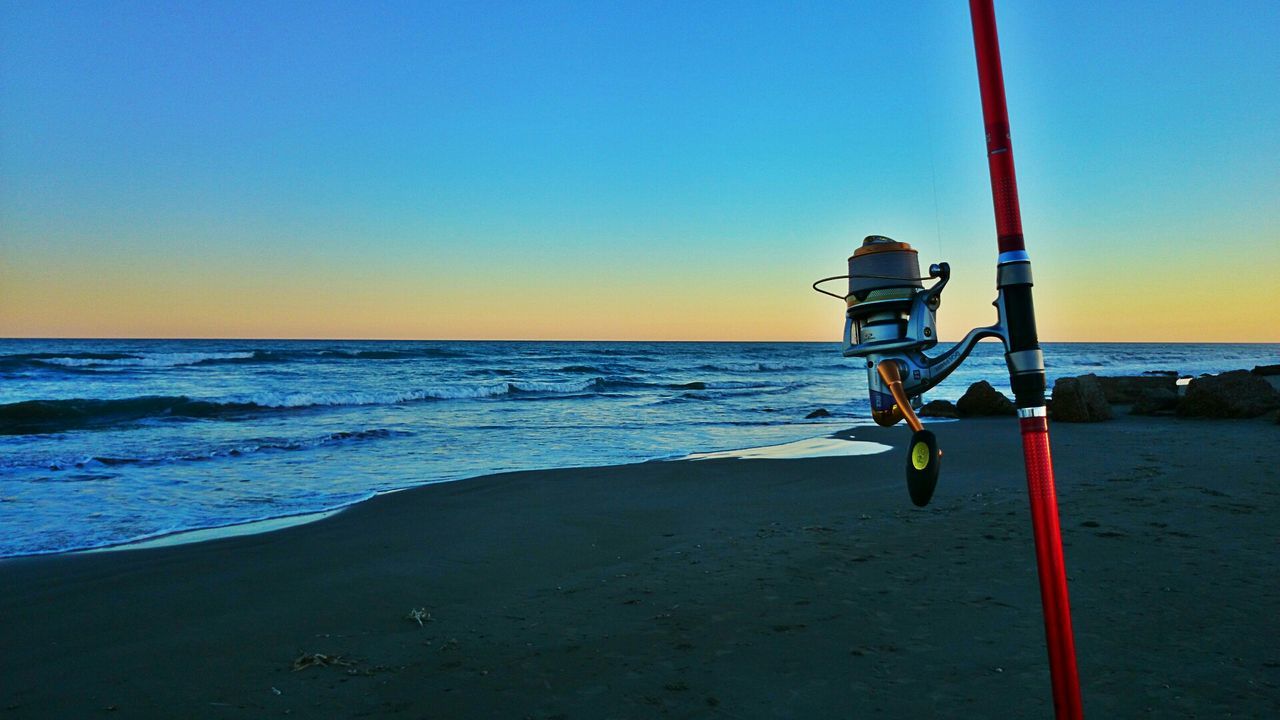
{"points": [[624, 171]]}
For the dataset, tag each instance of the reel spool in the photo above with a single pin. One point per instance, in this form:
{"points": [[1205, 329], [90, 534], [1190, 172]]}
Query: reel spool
{"points": [[883, 278]]}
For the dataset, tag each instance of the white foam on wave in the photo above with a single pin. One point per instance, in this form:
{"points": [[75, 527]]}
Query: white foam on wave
{"points": [[752, 367], [807, 448], [150, 360], [435, 392], [568, 386], [194, 535]]}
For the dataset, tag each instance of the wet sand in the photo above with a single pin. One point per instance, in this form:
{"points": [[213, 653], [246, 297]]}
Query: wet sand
{"points": [[800, 588]]}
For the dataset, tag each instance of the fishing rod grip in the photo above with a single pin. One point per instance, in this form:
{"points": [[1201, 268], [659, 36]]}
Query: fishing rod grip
{"points": [[1052, 569]]}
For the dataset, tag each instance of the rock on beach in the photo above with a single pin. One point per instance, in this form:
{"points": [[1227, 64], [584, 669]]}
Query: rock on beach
{"points": [[939, 409], [1081, 399], [1235, 394], [983, 400]]}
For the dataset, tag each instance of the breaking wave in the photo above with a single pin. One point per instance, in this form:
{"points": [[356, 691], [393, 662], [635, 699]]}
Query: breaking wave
{"points": [[45, 416], [80, 360], [48, 416], [752, 367], [90, 361], [229, 451]]}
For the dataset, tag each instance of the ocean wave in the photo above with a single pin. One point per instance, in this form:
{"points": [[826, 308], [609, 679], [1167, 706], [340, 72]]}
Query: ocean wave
{"points": [[127, 360], [89, 362], [49, 416], [619, 352], [461, 391], [698, 392], [150, 360], [248, 358], [69, 355], [736, 385], [284, 356], [567, 386], [582, 369], [249, 447], [752, 367], [486, 372], [45, 416], [48, 361], [391, 354]]}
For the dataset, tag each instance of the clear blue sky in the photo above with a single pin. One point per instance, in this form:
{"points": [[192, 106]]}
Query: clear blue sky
{"points": [[646, 170]]}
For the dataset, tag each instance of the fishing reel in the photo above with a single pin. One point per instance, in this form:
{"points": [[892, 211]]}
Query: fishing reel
{"points": [[890, 321]]}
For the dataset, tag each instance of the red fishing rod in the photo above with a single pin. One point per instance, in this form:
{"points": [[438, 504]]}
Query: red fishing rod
{"points": [[1026, 365], [890, 321]]}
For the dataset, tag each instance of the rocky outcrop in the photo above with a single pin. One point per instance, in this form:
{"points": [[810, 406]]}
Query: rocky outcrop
{"points": [[1235, 394], [1155, 401], [981, 400], [1266, 370], [939, 409], [819, 413], [1082, 399], [1127, 390]]}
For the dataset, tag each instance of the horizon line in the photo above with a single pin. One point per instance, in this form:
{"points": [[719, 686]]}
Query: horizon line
{"points": [[600, 340]]}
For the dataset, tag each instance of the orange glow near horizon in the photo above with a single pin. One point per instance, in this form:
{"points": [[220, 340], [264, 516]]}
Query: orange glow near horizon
{"points": [[748, 307]]}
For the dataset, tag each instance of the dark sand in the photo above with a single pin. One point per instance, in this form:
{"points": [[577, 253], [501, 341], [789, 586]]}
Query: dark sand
{"points": [[737, 589]]}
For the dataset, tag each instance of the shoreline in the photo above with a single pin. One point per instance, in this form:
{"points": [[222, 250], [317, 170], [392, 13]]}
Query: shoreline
{"points": [[156, 481], [197, 535], [187, 536], [716, 588]]}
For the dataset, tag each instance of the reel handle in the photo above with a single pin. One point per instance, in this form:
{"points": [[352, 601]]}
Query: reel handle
{"points": [[892, 377], [924, 458]]}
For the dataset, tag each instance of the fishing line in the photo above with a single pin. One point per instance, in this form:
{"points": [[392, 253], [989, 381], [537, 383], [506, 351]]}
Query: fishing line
{"points": [[933, 178]]}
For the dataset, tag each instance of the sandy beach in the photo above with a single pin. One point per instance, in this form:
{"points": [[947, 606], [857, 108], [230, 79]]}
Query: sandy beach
{"points": [[718, 588]]}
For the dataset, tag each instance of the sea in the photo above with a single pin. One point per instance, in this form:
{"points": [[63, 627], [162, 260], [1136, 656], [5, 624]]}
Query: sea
{"points": [[109, 442]]}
